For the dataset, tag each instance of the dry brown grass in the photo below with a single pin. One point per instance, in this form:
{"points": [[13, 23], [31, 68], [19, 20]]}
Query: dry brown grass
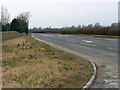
{"points": [[28, 63]]}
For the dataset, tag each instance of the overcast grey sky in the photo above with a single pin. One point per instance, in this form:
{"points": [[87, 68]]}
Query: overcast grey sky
{"points": [[59, 13]]}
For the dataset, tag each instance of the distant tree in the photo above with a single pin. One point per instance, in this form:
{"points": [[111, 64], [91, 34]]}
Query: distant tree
{"points": [[97, 25], [72, 27], [25, 18], [5, 18], [114, 25], [40, 28], [90, 26], [84, 27], [20, 23], [17, 25], [119, 25], [79, 27], [0, 26]]}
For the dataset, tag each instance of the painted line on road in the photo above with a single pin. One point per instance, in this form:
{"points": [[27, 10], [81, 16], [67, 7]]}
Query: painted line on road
{"points": [[87, 41], [113, 54], [91, 45], [59, 35], [44, 35], [110, 39], [111, 48], [92, 79]]}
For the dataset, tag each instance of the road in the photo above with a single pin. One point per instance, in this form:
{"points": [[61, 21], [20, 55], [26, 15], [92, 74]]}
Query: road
{"points": [[104, 49]]}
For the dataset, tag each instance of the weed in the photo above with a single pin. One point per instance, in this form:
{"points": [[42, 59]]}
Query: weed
{"points": [[31, 56], [67, 67], [22, 58], [59, 62], [19, 81], [7, 49]]}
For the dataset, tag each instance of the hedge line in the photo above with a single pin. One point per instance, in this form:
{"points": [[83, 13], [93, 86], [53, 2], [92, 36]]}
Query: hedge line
{"points": [[99, 31]]}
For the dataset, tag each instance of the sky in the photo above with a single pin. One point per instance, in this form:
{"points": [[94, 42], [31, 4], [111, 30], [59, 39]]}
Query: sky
{"points": [[59, 13]]}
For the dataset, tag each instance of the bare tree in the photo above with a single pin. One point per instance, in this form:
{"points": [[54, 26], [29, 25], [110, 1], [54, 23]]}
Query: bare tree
{"points": [[24, 16], [5, 16], [2, 15]]}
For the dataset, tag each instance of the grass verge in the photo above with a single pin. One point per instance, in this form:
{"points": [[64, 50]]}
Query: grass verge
{"points": [[10, 35], [28, 63], [91, 35]]}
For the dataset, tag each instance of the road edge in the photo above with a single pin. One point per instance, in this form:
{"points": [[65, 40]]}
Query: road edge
{"points": [[92, 79]]}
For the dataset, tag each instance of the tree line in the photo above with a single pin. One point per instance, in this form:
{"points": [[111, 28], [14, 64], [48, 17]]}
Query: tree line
{"points": [[78, 27], [96, 29], [19, 23]]}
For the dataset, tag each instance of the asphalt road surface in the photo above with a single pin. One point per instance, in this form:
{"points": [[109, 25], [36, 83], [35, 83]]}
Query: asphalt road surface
{"points": [[105, 49]]}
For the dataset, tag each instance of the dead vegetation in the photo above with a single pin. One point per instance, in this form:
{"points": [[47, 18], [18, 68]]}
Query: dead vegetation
{"points": [[27, 63]]}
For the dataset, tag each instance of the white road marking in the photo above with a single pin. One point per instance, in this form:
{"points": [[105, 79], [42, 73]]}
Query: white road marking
{"points": [[113, 54], [87, 41], [111, 39], [60, 35], [91, 45], [111, 48], [44, 35]]}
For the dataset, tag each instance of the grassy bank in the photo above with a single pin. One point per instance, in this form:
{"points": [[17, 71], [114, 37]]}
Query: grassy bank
{"points": [[10, 35], [28, 63]]}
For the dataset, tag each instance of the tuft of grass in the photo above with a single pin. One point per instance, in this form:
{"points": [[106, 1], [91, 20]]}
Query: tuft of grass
{"points": [[19, 81], [67, 67], [7, 49]]}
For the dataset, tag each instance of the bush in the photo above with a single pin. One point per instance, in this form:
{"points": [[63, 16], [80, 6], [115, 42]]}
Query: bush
{"points": [[113, 32], [18, 25]]}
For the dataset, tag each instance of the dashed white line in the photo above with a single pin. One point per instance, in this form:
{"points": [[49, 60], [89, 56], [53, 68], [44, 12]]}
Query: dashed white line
{"points": [[111, 48], [87, 41], [111, 39], [91, 45], [88, 44]]}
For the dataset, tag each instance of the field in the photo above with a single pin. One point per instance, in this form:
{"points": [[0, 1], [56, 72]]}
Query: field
{"points": [[28, 63]]}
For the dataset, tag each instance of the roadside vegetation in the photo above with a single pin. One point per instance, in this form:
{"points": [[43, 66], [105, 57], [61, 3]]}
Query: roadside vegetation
{"points": [[106, 32], [28, 63], [10, 35], [90, 35]]}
